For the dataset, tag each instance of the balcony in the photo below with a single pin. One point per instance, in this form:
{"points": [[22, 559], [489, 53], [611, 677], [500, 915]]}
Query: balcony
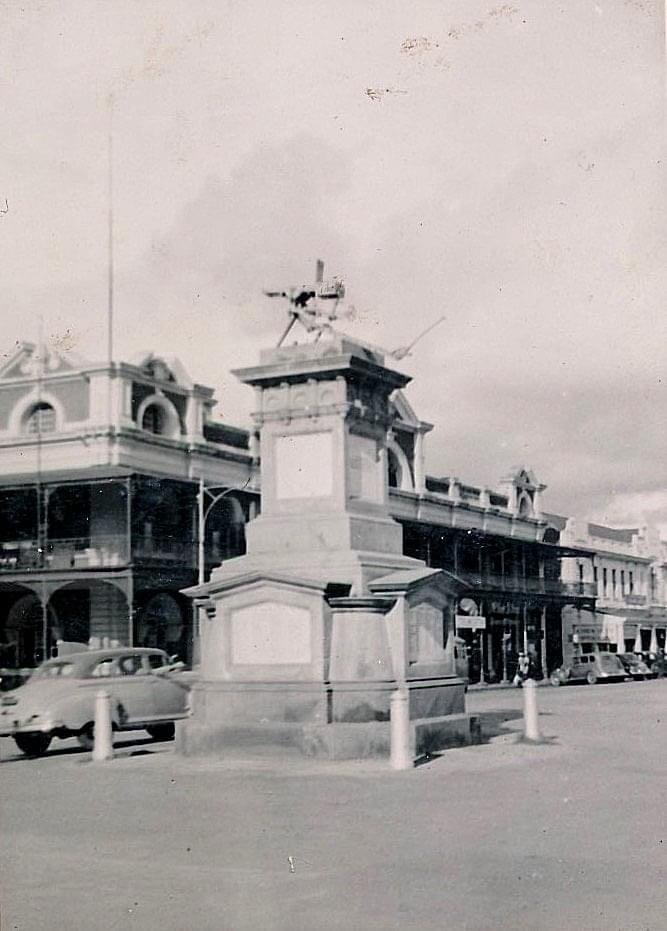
{"points": [[532, 585], [63, 554], [165, 550], [101, 552]]}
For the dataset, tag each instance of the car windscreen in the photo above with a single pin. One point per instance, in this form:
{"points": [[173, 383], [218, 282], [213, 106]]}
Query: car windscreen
{"points": [[50, 670]]}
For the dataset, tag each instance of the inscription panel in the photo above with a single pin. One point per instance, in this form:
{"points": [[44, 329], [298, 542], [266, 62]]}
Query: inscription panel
{"points": [[303, 465], [271, 633]]}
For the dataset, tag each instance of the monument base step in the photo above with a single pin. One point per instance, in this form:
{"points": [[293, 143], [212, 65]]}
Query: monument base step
{"points": [[338, 741]]}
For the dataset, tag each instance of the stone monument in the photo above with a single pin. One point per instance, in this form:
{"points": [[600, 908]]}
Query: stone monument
{"points": [[305, 638]]}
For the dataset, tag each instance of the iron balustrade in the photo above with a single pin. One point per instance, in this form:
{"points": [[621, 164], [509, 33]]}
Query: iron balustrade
{"points": [[165, 549], [103, 551], [529, 585]]}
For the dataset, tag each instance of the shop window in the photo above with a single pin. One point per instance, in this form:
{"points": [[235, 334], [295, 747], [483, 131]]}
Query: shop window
{"points": [[42, 419]]}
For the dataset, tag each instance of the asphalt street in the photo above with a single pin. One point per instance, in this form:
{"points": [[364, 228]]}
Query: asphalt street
{"points": [[568, 833]]}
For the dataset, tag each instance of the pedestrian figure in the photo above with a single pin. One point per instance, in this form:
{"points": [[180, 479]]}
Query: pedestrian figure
{"points": [[522, 670]]}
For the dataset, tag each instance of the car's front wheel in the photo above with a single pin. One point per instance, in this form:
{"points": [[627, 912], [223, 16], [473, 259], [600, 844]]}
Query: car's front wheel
{"points": [[557, 679], [591, 678], [162, 731], [33, 744]]}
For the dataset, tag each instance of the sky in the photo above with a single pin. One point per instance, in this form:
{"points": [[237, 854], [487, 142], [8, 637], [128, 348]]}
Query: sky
{"points": [[498, 164]]}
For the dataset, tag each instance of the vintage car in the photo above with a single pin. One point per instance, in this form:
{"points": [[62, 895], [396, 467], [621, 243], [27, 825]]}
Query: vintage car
{"points": [[591, 668], [635, 666], [148, 691]]}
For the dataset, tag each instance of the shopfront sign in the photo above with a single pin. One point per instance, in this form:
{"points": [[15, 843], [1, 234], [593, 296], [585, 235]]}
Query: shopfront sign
{"points": [[468, 622]]}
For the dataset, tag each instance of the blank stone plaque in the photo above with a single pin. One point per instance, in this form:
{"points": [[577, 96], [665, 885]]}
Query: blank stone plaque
{"points": [[303, 464], [271, 633]]}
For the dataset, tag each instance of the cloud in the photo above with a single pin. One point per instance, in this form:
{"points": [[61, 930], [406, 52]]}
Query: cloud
{"points": [[514, 187], [635, 508]]}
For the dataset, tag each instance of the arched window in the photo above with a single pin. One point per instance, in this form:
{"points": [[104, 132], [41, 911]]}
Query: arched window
{"points": [[154, 419], [42, 419]]}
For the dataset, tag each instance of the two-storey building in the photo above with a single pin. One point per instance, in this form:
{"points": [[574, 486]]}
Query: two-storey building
{"points": [[101, 466], [499, 542], [628, 573]]}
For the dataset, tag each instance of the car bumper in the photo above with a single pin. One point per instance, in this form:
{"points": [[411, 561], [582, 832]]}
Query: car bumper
{"points": [[8, 728]]}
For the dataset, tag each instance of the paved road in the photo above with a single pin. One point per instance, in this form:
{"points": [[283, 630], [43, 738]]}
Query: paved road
{"points": [[566, 834]]}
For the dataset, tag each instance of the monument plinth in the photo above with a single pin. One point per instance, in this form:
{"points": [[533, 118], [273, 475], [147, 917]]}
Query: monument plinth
{"points": [[307, 635]]}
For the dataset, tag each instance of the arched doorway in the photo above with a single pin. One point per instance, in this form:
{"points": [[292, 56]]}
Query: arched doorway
{"points": [[160, 623], [22, 637]]}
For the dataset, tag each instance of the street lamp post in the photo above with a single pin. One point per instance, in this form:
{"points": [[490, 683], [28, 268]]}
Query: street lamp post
{"points": [[203, 511], [215, 493]]}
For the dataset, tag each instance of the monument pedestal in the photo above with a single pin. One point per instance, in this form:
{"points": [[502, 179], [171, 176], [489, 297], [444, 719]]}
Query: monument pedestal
{"points": [[308, 635]]}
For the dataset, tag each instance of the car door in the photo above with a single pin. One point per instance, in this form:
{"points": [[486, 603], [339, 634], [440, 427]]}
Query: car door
{"points": [[170, 690], [579, 667], [130, 687]]}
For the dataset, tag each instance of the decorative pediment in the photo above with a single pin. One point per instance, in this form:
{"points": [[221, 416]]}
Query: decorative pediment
{"points": [[523, 491], [404, 414], [31, 361], [523, 478], [162, 368]]}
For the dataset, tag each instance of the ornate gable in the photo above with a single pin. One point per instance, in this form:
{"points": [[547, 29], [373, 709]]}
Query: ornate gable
{"points": [[405, 416], [523, 492], [164, 368], [29, 362]]}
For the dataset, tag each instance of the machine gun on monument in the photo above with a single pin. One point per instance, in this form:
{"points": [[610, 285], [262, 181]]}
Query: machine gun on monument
{"points": [[314, 306]]}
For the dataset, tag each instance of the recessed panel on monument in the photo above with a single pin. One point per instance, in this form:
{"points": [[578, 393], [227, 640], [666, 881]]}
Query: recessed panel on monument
{"points": [[303, 465], [365, 473], [270, 633], [265, 630]]}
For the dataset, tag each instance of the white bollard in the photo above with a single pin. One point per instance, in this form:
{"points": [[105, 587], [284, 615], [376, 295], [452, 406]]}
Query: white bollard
{"points": [[531, 722], [399, 715], [102, 746]]}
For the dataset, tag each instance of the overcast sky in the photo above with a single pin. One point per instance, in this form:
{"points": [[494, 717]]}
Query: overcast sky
{"points": [[499, 163]]}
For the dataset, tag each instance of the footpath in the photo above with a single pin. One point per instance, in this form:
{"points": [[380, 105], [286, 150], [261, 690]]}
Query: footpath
{"points": [[503, 835]]}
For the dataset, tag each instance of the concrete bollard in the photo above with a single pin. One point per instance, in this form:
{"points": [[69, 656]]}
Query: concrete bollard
{"points": [[102, 746], [531, 722], [399, 715]]}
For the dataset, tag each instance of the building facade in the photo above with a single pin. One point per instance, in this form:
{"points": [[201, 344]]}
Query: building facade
{"points": [[109, 472], [499, 543], [102, 469], [628, 571]]}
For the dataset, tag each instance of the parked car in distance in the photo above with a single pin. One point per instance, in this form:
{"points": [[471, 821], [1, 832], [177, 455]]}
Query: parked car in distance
{"points": [[591, 668], [148, 691], [635, 666]]}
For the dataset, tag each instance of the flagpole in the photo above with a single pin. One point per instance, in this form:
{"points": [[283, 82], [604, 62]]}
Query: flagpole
{"points": [[110, 256], [41, 494]]}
